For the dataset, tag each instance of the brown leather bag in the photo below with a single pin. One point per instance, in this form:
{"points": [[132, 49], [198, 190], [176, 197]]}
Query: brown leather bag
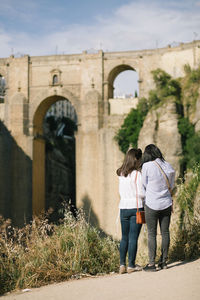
{"points": [[140, 215]]}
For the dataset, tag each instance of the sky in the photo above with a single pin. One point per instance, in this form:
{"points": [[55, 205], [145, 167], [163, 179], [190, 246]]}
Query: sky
{"points": [[46, 27]]}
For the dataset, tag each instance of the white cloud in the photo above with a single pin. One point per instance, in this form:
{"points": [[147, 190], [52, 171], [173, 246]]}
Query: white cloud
{"points": [[139, 25]]}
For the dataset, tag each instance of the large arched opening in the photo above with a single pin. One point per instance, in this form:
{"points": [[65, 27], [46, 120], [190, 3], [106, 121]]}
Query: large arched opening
{"points": [[54, 126], [126, 85]]}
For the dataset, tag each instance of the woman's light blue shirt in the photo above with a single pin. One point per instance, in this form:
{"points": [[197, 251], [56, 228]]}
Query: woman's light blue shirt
{"points": [[155, 189]]}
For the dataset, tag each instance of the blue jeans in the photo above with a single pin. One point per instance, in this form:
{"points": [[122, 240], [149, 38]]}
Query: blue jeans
{"points": [[130, 234]]}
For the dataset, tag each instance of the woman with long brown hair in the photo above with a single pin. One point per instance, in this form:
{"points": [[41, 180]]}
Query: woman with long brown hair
{"points": [[130, 183]]}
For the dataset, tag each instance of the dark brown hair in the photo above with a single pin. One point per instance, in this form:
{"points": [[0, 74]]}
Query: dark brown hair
{"points": [[152, 152], [132, 161]]}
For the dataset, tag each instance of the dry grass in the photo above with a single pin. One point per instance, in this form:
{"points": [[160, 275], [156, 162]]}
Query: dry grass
{"points": [[41, 253], [185, 243]]}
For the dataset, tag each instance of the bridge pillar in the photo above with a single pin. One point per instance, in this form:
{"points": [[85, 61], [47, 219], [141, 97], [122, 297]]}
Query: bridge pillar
{"points": [[38, 176]]}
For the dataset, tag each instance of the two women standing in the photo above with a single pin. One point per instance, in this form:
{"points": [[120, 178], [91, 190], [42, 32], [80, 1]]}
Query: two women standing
{"points": [[152, 178]]}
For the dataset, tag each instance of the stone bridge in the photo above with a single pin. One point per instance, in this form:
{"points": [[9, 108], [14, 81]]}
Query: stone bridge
{"points": [[33, 84]]}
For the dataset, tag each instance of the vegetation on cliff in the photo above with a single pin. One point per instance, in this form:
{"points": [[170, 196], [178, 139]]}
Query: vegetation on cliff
{"points": [[165, 87], [190, 89], [190, 144], [129, 132], [190, 139], [184, 92]]}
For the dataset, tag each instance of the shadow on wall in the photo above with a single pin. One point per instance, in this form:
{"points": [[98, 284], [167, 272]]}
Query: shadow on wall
{"points": [[15, 180], [91, 217]]}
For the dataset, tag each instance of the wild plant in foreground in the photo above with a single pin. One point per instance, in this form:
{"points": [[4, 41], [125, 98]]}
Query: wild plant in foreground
{"points": [[186, 234], [41, 253]]}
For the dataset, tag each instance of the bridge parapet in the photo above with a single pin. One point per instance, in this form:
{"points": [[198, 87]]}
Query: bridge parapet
{"points": [[120, 106]]}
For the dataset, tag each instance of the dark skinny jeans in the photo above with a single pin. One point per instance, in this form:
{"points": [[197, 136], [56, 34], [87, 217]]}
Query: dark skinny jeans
{"points": [[152, 217], [130, 234]]}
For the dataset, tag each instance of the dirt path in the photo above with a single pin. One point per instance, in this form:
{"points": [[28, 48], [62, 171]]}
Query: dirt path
{"points": [[181, 281]]}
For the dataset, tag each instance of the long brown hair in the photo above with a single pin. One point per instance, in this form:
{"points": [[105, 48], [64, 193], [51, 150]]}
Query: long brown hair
{"points": [[132, 161]]}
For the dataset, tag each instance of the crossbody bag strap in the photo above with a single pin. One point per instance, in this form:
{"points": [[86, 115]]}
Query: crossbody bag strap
{"points": [[136, 189], [165, 176]]}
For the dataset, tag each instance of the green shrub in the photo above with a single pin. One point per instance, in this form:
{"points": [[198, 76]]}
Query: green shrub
{"points": [[190, 143], [186, 129], [194, 76], [190, 88], [143, 106], [192, 150], [165, 87], [161, 78], [128, 133], [154, 98]]}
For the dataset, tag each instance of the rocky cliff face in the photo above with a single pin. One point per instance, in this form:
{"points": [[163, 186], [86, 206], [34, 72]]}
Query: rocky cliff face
{"points": [[160, 127]]}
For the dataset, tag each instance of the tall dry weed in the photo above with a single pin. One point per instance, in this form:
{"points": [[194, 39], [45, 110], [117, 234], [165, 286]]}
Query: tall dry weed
{"points": [[186, 232], [41, 253]]}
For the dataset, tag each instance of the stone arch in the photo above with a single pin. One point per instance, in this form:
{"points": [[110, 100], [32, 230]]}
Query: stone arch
{"points": [[113, 74], [38, 174], [49, 96]]}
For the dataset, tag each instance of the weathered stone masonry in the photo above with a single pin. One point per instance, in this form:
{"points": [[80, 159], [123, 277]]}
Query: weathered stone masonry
{"points": [[86, 80]]}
